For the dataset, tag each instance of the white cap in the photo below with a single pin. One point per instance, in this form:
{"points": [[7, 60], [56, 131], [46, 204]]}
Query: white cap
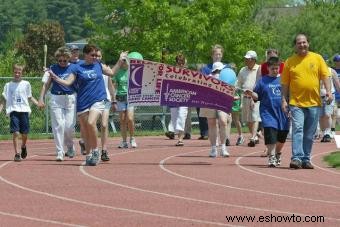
{"points": [[251, 54], [217, 66]]}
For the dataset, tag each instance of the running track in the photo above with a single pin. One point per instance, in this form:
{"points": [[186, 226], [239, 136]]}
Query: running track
{"points": [[159, 184]]}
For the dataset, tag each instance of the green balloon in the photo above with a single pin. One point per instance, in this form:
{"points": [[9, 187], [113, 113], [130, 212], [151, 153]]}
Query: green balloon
{"points": [[135, 55]]}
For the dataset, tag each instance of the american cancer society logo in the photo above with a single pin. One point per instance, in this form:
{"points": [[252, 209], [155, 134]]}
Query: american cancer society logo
{"points": [[142, 79]]}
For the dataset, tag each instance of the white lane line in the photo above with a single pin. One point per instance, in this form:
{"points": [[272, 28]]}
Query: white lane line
{"points": [[323, 168], [39, 219], [193, 199], [110, 207], [238, 188], [237, 162]]}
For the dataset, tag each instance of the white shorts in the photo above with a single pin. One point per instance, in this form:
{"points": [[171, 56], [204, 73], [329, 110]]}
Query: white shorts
{"points": [[250, 114], [97, 106]]}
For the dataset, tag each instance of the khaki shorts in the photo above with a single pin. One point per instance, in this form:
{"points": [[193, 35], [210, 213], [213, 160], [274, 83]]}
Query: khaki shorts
{"points": [[248, 114], [211, 113]]}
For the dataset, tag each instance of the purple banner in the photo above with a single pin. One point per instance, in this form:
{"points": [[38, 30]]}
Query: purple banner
{"points": [[152, 83]]}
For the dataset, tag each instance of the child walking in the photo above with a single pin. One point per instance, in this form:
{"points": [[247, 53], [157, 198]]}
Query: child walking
{"points": [[16, 94], [274, 120]]}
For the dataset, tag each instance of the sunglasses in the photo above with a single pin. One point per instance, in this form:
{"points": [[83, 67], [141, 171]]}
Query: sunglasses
{"points": [[62, 61], [94, 55]]}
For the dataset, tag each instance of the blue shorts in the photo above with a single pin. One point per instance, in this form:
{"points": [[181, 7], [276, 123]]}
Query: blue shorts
{"points": [[123, 106], [19, 122]]}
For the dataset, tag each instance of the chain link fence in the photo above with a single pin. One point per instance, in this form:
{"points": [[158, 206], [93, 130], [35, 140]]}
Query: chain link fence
{"points": [[147, 118]]}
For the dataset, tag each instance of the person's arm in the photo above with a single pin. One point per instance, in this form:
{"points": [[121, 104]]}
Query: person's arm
{"points": [[112, 91], [43, 91], [111, 72], [327, 83], [67, 82], [284, 97], [35, 102], [336, 81], [2, 103]]}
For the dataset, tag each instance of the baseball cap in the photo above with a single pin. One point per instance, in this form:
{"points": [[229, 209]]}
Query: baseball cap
{"points": [[336, 57], [135, 55], [251, 54], [217, 66], [74, 47]]}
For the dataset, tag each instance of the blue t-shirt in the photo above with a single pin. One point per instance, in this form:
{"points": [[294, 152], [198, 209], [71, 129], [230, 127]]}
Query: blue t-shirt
{"points": [[90, 85], [337, 94], [269, 94], [62, 72]]}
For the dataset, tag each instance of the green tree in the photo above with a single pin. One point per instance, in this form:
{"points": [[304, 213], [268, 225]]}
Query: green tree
{"points": [[50, 33], [191, 27]]}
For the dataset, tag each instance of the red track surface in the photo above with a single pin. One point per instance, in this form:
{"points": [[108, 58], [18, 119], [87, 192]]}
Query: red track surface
{"points": [[159, 184]]}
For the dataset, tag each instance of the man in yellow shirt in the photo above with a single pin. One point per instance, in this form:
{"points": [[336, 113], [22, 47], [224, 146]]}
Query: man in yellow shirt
{"points": [[301, 98]]}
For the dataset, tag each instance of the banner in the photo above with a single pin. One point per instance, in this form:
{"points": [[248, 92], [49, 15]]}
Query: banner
{"points": [[152, 83]]}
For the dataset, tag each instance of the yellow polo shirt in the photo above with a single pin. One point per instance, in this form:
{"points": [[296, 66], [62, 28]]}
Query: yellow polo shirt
{"points": [[302, 75]]}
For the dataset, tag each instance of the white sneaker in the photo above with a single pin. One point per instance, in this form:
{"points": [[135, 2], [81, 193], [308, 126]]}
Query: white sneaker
{"points": [[332, 134], [133, 143], [60, 157], [123, 144], [272, 161], [224, 151], [213, 152]]}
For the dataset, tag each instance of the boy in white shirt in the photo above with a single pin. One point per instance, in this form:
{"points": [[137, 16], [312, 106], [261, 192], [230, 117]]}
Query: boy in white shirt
{"points": [[16, 95]]}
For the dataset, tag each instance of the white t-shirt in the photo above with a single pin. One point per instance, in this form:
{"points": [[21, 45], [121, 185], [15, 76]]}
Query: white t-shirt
{"points": [[16, 95], [247, 77]]}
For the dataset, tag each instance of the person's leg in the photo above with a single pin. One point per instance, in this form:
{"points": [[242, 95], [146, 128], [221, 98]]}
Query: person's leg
{"points": [[212, 136], [187, 129], [104, 134], [24, 127], [83, 118], [182, 113], [309, 128], [15, 136], [224, 120], [131, 126], [238, 125], [92, 128], [298, 119], [70, 121], [58, 122], [203, 125]]}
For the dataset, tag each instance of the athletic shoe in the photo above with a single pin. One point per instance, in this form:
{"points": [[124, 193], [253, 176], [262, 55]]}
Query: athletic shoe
{"points": [[82, 147], [17, 158], [70, 153], [60, 157], [94, 160], [123, 144], [133, 143], [307, 165], [187, 136], [88, 159], [224, 152], [332, 134], [23, 152], [203, 137], [251, 143], [240, 140], [278, 159], [295, 164], [272, 161], [227, 142], [170, 135], [213, 152], [104, 157], [257, 141], [326, 139]]}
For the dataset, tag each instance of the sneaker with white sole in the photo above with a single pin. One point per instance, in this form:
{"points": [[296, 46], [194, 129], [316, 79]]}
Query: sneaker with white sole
{"points": [[95, 157], [272, 161], [213, 152], [88, 159], [60, 157], [123, 144], [278, 159], [240, 140], [133, 143], [224, 152], [70, 153]]}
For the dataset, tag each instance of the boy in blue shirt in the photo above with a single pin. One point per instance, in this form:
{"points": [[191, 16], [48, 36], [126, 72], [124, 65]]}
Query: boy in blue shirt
{"points": [[275, 121]]}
